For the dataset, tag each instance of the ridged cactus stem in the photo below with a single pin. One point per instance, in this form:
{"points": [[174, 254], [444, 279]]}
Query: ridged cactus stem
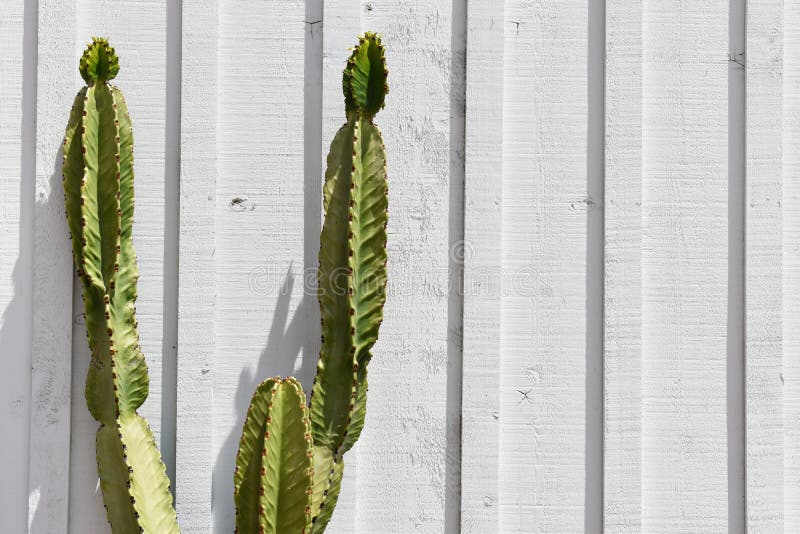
{"points": [[352, 283], [98, 192], [352, 272], [275, 463]]}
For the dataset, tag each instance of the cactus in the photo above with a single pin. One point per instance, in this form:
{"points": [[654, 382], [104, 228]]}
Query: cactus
{"points": [[98, 194], [274, 466], [352, 281]]}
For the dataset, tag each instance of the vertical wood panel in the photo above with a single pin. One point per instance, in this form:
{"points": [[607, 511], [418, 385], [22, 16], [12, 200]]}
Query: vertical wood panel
{"points": [[684, 266], [764, 267], [542, 418], [401, 481], [341, 25], [623, 268], [17, 166], [791, 266], [259, 325], [57, 81], [196, 271], [483, 155]]}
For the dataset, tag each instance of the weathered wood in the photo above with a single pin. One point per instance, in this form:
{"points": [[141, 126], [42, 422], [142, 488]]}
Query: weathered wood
{"points": [[17, 168], [684, 266], [259, 328], [401, 482], [483, 163], [544, 217], [50, 467], [791, 266], [764, 267], [194, 461], [623, 269]]}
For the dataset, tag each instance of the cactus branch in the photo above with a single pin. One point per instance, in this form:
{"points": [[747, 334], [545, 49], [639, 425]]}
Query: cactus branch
{"points": [[98, 193], [352, 283], [275, 462]]}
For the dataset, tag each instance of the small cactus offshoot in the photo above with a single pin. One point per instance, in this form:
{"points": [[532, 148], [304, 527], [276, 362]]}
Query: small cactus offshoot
{"points": [[98, 194], [280, 459]]}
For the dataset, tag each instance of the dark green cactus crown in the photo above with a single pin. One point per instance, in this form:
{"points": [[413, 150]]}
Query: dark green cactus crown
{"points": [[364, 77], [99, 62]]}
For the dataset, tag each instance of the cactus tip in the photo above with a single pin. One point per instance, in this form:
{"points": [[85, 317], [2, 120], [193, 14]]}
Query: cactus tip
{"points": [[99, 62], [364, 77]]}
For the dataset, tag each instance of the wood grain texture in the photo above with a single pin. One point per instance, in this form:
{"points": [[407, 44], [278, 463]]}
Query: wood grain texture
{"points": [[763, 267], [402, 481], [50, 466], [623, 268], [483, 163], [791, 266], [17, 168], [196, 268], [545, 203], [259, 254], [684, 266]]}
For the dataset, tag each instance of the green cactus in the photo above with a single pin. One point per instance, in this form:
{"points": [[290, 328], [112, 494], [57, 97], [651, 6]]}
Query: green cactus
{"points": [[98, 194], [274, 466], [352, 282]]}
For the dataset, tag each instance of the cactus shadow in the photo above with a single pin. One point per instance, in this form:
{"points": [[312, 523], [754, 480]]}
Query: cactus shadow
{"points": [[285, 342]]}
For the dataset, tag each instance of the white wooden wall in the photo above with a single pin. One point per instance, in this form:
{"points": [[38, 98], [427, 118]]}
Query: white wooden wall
{"points": [[593, 318]]}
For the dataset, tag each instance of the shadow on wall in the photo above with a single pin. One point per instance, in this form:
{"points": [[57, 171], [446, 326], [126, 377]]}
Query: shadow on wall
{"points": [[284, 344], [15, 347], [47, 498]]}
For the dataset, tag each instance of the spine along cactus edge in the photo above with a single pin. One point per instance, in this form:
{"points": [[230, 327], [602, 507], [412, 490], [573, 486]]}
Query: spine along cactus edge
{"points": [[98, 193], [289, 465]]}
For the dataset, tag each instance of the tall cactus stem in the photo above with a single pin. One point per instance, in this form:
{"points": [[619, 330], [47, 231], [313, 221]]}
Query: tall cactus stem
{"points": [[98, 196], [352, 284]]}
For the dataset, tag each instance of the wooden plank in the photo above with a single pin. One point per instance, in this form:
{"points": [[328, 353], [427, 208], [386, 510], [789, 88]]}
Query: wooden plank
{"points": [[341, 26], [49, 467], [137, 30], [17, 168], [623, 268], [791, 266], [684, 266], [483, 163], [764, 267], [401, 484], [259, 323], [543, 319], [196, 268]]}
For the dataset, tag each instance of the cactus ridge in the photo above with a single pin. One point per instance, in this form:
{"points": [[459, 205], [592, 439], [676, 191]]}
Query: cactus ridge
{"points": [[99, 201], [351, 290], [274, 474]]}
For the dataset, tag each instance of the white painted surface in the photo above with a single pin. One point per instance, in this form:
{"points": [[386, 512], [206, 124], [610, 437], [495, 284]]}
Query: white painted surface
{"points": [[51, 460], [544, 216], [684, 265], [196, 274], [791, 267], [764, 264], [496, 436], [623, 268]]}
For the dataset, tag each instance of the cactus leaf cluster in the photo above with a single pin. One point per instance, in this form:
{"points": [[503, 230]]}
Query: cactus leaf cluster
{"points": [[352, 282], [99, 201]]}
